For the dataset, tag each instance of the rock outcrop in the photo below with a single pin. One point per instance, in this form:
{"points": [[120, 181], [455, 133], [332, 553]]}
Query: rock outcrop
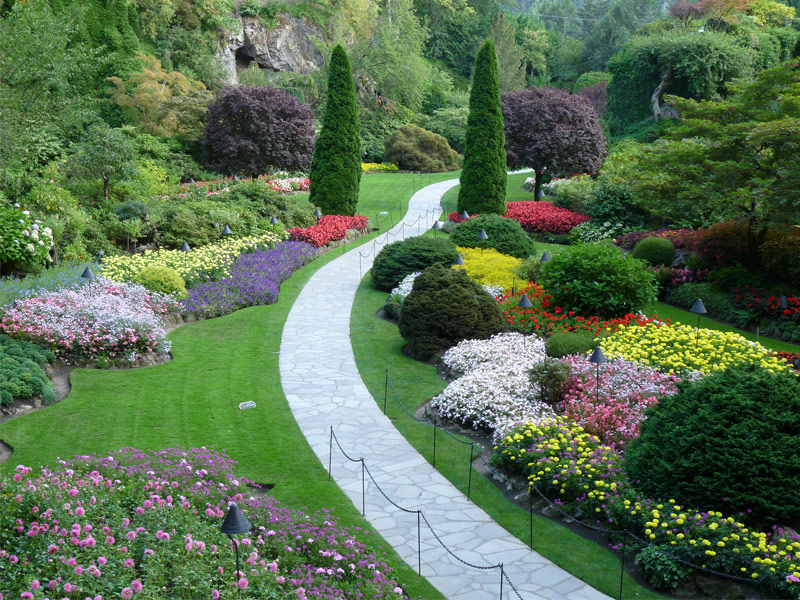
{"points": [[292, 45]]}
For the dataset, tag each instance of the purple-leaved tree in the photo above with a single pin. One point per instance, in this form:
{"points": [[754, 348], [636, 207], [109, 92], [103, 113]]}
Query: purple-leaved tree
{"points": [[252, 130], [551, 130]]}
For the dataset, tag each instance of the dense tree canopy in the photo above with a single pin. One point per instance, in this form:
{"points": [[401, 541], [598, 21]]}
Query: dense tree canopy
{"points": [[552, 131], [251, 130]]}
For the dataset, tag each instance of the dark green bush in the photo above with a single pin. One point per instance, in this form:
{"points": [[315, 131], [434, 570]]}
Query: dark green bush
{"points": [[565, 343], [655, 250], [780, 255], [727, 442], [613, 203], [413, 148], [660, 570], [505, 235], [596, 279], [267, 203], [718, 304], [737, 276], [724, 243], [181, 224], [444, 307], [550, 377], [402, 258], [130, 209], [21, 374]]}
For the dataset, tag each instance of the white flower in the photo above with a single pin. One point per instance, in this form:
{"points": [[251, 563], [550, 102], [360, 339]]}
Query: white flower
{"points": [[35, 227], [25, 232], [41, 243], [27, 213], [30, 248], [16, 204]]}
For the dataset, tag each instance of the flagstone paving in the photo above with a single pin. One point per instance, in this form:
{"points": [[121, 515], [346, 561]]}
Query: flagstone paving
{"points": [[324, 390]]}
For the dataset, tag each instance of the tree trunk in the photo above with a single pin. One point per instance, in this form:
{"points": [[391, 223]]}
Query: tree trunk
{"points": [[538, 185], [105, 189], [655, 99]]}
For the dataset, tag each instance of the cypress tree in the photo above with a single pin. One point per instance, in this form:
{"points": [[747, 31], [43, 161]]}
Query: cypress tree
{"points": [[336, 165], [483, 177]]}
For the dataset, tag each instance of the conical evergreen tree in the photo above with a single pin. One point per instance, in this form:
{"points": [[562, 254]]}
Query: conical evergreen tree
{"points": [[483, 177], [336, 166]]}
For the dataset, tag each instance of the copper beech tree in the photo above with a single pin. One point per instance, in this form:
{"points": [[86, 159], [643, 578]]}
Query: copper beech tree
{"points": [[552, 131]]}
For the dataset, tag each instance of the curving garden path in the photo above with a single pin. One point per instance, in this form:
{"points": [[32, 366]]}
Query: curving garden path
{"points": [[324, 390]]}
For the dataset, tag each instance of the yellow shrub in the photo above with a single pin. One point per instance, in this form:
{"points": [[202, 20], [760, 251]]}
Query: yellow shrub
{"points": [[490, 267]]}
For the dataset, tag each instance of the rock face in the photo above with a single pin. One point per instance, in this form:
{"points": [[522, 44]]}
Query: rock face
{"points": [[290, 46]]}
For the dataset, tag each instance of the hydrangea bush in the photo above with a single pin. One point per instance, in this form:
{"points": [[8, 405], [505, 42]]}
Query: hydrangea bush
{"points": [[254, 280], [199, 264], [101, 318], [24, 241], [146, 524]]}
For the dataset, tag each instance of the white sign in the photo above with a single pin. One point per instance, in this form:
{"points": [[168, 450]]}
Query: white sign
{"points": [[246, 405]]}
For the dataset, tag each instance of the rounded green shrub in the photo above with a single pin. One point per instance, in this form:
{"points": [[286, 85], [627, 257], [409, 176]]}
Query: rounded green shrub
{"points": [[413, 148], [505, 235], [444, 307], [655, 250], [565, 343], [161, 279], [727, 442], [21, 374], [402, 258], [596, 279], [780, 255]]}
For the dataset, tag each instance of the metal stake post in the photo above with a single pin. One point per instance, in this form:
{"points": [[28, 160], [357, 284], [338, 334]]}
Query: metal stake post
{"points": [[501, 581], [469, 483], [330, 453], [363, 491], [434, 442], [622, 564], [385, 391], [530, 514], [419, 544]]}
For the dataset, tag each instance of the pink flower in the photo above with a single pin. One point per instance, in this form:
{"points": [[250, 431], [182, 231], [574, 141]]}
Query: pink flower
{"points": [[136, 585], [128, 564], [127, 593], [242, 583], [214, 594], [35, 584]]}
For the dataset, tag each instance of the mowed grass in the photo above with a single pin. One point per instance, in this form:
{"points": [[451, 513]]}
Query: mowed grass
{"points": [[193, 399], [377, 347]]}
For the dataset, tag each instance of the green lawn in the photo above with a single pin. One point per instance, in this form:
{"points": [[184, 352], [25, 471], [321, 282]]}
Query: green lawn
{"points": [[376, 345], [192, 400]]}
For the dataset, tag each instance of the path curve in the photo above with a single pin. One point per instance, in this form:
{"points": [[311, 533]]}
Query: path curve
{"points": [[324, 389]]}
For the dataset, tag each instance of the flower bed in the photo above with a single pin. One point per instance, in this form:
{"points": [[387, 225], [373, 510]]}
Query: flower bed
{"points": [[612, 405], [455, 217], [135, 522], [546, 319], [278, 182], [680, 238], [199, 264], [254, 280], [682, 348], [543, 217], [379, 168], [586, 479], [489, 267], [102, 318], [765, 305], [328, 229], [493, 389]]}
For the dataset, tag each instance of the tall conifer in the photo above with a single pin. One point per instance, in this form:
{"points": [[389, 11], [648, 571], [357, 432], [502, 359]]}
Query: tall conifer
{"points": [[336, 166], [483, 178]]}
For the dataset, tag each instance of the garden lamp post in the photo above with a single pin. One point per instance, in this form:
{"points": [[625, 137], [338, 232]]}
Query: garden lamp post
{"points": [[464, 215], [597, 358], [483, 237], [783, 303], [235, 522], [273, 220], [318, 214], [226, 230], [87, 275], [524, 302], [699, 309], [185, 249], [540, 195], [191, 180], [459, 262], [545, 257], [436, 227], [100, 255], [236, 178]]}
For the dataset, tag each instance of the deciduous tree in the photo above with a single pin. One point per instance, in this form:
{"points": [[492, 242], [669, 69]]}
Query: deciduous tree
{"points": [[553, 131]]}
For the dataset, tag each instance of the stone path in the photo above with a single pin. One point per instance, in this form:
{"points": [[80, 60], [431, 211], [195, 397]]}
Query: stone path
{"points": [[324, 389]]}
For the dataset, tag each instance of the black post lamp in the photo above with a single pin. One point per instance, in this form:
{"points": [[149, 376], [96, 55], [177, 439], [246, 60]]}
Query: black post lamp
{"points": [[783, 303], [699, 309], [540, 195], [524, 302], [483, 237], [87, 275], [318, 214], [235, 522], [226, 230], [464, 215], [545, 257], [459, 262], [273, 220], [436, 227], [185, 249], [597, 358], [100, 255]]}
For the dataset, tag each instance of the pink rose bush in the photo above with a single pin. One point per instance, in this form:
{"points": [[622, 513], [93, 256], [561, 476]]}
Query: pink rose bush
{"points": [[101, 318], [613, 406], [146, 524]]}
